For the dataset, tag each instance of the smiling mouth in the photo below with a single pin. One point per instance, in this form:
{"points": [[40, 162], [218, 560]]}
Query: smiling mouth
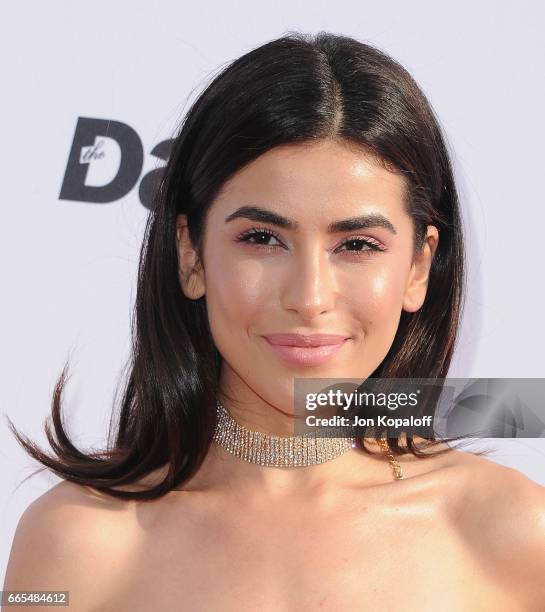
{"points": [[307, 355]]}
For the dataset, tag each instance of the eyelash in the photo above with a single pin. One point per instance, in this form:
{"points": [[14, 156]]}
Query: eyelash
{"points": [[258, 231]]}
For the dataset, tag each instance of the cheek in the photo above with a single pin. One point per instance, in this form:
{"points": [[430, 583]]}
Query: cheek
{"points": [[376, 300], [375, 304], [236, 294]]}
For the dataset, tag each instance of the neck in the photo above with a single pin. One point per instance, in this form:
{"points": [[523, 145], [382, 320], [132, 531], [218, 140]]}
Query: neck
{"points": [[224, 470], [230, 472]]}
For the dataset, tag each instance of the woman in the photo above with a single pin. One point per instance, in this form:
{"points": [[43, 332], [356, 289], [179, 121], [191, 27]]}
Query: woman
{"points": [[309, 194]]}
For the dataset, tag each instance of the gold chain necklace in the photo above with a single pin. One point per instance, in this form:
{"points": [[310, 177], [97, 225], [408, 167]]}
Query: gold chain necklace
{"points": [[277, 451], [396, 468]]}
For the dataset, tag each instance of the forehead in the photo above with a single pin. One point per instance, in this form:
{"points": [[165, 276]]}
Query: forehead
{"points": [[318, 180]]}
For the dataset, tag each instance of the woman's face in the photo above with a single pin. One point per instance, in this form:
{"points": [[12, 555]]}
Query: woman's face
{"points": [[306, 239]]}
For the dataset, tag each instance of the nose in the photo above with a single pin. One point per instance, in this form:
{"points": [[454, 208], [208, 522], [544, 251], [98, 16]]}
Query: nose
{"points": [[310, 285]]}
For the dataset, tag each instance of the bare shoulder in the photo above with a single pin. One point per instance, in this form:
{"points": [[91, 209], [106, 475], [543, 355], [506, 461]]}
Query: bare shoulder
{"points": [[500, 513], [71, 538]]}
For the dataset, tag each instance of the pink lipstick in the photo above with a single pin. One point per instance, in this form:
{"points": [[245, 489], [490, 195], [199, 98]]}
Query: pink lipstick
{"points": [[311, 350]]}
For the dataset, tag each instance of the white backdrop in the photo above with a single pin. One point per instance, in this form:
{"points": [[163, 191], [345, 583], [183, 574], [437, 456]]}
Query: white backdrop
{"points": [[68, 267]]}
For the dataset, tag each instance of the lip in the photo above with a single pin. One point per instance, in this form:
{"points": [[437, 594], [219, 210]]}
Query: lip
{"points": [[313, 340], [306, 350]]}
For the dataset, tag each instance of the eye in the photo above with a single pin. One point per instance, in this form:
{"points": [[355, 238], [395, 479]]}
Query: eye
{"points": [[362, 246], [258, 236]]}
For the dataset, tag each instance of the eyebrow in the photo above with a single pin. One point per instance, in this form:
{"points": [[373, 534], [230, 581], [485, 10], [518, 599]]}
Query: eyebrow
{"points": [[256, 213]]}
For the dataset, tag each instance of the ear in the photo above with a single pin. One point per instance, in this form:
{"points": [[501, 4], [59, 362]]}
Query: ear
{"points": [[190, 270], [417, 282]]}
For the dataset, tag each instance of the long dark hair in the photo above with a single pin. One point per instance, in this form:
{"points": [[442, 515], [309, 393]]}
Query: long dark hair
{"points": [[295, 89]]}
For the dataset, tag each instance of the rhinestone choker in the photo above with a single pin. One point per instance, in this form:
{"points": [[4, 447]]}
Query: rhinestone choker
{"points": [[276, 451]]}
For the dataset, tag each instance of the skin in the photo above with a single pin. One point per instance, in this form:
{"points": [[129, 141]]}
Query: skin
{"points": [[304, 280], [340, 535]]}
